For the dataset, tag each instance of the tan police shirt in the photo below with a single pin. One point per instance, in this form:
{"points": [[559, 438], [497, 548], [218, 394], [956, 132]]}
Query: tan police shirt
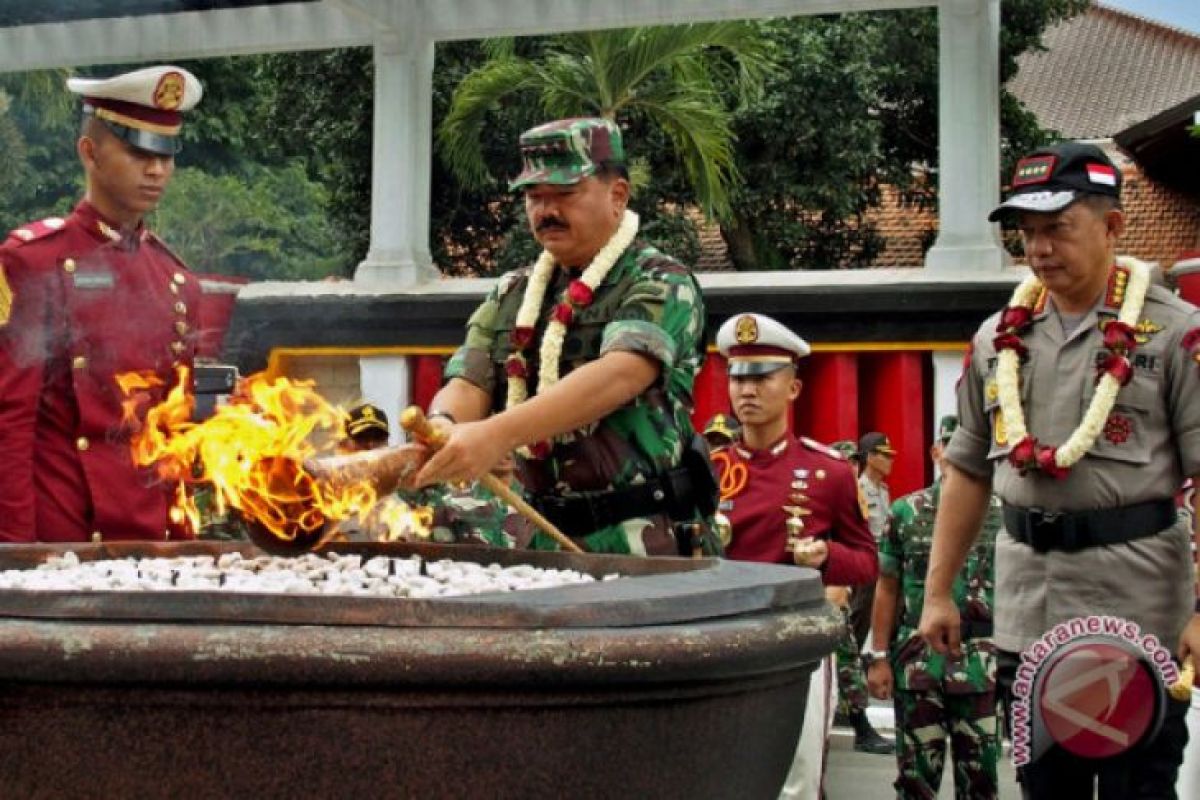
{"points": [[879, 504], [1150, 443]]}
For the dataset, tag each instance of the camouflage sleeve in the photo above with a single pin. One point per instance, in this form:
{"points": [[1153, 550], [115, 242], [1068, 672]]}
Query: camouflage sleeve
{"points": [[662, 316], [1183, 370], [472, 361], [891, 545], [968, 449]]}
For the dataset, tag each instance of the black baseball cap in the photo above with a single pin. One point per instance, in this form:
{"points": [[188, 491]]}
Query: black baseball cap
{"points": [[367, 420], [875, 442], [1050, 179]]}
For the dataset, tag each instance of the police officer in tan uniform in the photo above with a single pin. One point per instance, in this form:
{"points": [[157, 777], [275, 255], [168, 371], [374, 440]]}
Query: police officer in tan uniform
{"points": [[1085, 466]]}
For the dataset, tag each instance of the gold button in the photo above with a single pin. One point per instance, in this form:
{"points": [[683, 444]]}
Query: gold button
{"points": [[181, 327], [177, 347], [180, 279], [174, 289], [82, 443], [79, 362], [181, 307], [97, 536], [69, 265]]}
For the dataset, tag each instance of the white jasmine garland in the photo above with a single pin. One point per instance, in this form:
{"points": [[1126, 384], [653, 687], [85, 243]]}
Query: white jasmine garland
{"points": [[550, 352], [1105, 397]]}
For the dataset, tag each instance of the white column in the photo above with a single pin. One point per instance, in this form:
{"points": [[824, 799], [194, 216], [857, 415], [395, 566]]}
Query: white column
{"points": [[947, 367], [400, 175], [385, 381], [968, 136]]}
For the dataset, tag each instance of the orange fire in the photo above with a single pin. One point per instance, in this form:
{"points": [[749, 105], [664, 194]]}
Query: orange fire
{"points": [[252, 452]]}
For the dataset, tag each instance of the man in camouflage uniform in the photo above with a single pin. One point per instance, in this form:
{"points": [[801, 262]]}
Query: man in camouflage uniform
{"points": [[610, 453], [937, 696]]}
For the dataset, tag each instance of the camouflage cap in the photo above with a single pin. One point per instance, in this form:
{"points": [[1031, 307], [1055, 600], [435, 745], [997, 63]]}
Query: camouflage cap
{"points": [[946, 428], [568, 150]]}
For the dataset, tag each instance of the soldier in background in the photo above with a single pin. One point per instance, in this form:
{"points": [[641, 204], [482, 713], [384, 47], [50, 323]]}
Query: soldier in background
{"points": [[367, 428], [936, 697], [585, 362], [721, 431]]}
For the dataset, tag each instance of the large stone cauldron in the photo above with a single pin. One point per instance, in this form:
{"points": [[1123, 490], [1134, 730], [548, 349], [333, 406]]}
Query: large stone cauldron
{"points": [[686, 679]]}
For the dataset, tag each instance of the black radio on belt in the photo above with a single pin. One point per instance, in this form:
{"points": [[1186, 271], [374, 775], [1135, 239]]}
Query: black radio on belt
{"points": [[1071, 531], [213, 383]]}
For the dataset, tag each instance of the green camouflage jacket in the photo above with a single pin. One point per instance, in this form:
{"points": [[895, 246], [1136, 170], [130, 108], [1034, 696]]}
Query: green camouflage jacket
{"points": [[904, 554], [648, 304], [472, 516]]}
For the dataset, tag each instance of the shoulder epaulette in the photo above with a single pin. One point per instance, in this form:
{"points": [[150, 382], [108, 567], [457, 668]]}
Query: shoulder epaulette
{"points": [[33, 231], [153, 237], [506, 282], [813, 444]]}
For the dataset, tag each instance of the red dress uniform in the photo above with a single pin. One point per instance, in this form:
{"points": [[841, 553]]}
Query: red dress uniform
{"points": [[818, 485], [85, 304]]}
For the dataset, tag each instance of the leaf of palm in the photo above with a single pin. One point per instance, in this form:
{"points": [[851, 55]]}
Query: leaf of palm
{"points": [[700, 131], [459, 135]]}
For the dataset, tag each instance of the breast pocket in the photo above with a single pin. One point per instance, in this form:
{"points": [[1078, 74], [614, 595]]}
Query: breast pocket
{"points": [[1123, 436], [582, 343], [1002, 441]]}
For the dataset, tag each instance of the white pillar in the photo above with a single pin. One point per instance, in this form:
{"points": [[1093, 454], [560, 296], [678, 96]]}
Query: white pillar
{"points": [[400, 174], [947, 367], [385, 381], [968, 136]]}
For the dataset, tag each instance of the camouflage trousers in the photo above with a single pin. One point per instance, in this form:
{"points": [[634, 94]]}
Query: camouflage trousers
{"points": [[851, 677], [924, 720]]}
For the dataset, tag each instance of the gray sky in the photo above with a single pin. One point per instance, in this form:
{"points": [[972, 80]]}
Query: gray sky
{"points": [[1183, 14]]}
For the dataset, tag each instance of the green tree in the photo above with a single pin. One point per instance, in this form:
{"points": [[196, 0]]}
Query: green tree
{"points": [[676, 79], [40, 174], [259, 223], [853, 108]]}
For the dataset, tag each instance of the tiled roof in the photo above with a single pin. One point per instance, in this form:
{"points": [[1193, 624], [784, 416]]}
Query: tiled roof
{"points": [[1105, 70], [1160, 224]]}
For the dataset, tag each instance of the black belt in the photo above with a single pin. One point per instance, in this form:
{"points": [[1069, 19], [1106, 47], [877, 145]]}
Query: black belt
{"points": [[1076, 530], [583, 513]]}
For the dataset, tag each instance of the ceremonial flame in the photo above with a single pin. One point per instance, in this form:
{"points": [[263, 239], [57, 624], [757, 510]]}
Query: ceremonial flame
{"points": [[253, 452]]}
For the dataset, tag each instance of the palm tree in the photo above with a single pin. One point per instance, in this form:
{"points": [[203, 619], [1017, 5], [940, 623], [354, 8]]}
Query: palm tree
{"points": [[674, 78]]}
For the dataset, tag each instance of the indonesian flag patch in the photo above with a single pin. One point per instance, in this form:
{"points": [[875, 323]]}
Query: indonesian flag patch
{"points": [[1102, 174]]}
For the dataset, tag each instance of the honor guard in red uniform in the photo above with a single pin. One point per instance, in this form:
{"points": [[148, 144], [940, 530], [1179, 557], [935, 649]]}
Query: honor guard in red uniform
{"points": [[788, 500], [83, 300]]}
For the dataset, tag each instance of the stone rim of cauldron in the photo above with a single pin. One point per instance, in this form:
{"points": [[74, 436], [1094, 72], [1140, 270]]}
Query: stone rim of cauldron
{"points": [[659, 591]]}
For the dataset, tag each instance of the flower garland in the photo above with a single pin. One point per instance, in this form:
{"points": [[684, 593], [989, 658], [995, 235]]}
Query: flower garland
{"points": [[578, 295], [1116, 370]]}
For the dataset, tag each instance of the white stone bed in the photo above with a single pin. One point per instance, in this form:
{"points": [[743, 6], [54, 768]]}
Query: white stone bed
{"points": [[331, 574]]}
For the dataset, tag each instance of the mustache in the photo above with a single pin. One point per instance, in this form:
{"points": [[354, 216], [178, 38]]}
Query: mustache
{"points": [[551, 222]]}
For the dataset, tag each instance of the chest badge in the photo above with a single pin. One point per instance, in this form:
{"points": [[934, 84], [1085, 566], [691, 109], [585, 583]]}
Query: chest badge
{"points": [[1117, 428], [999, 430], [1146, 329]]}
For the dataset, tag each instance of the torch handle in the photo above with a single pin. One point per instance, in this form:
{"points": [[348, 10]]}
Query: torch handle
{"points": [[413, 420]]}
